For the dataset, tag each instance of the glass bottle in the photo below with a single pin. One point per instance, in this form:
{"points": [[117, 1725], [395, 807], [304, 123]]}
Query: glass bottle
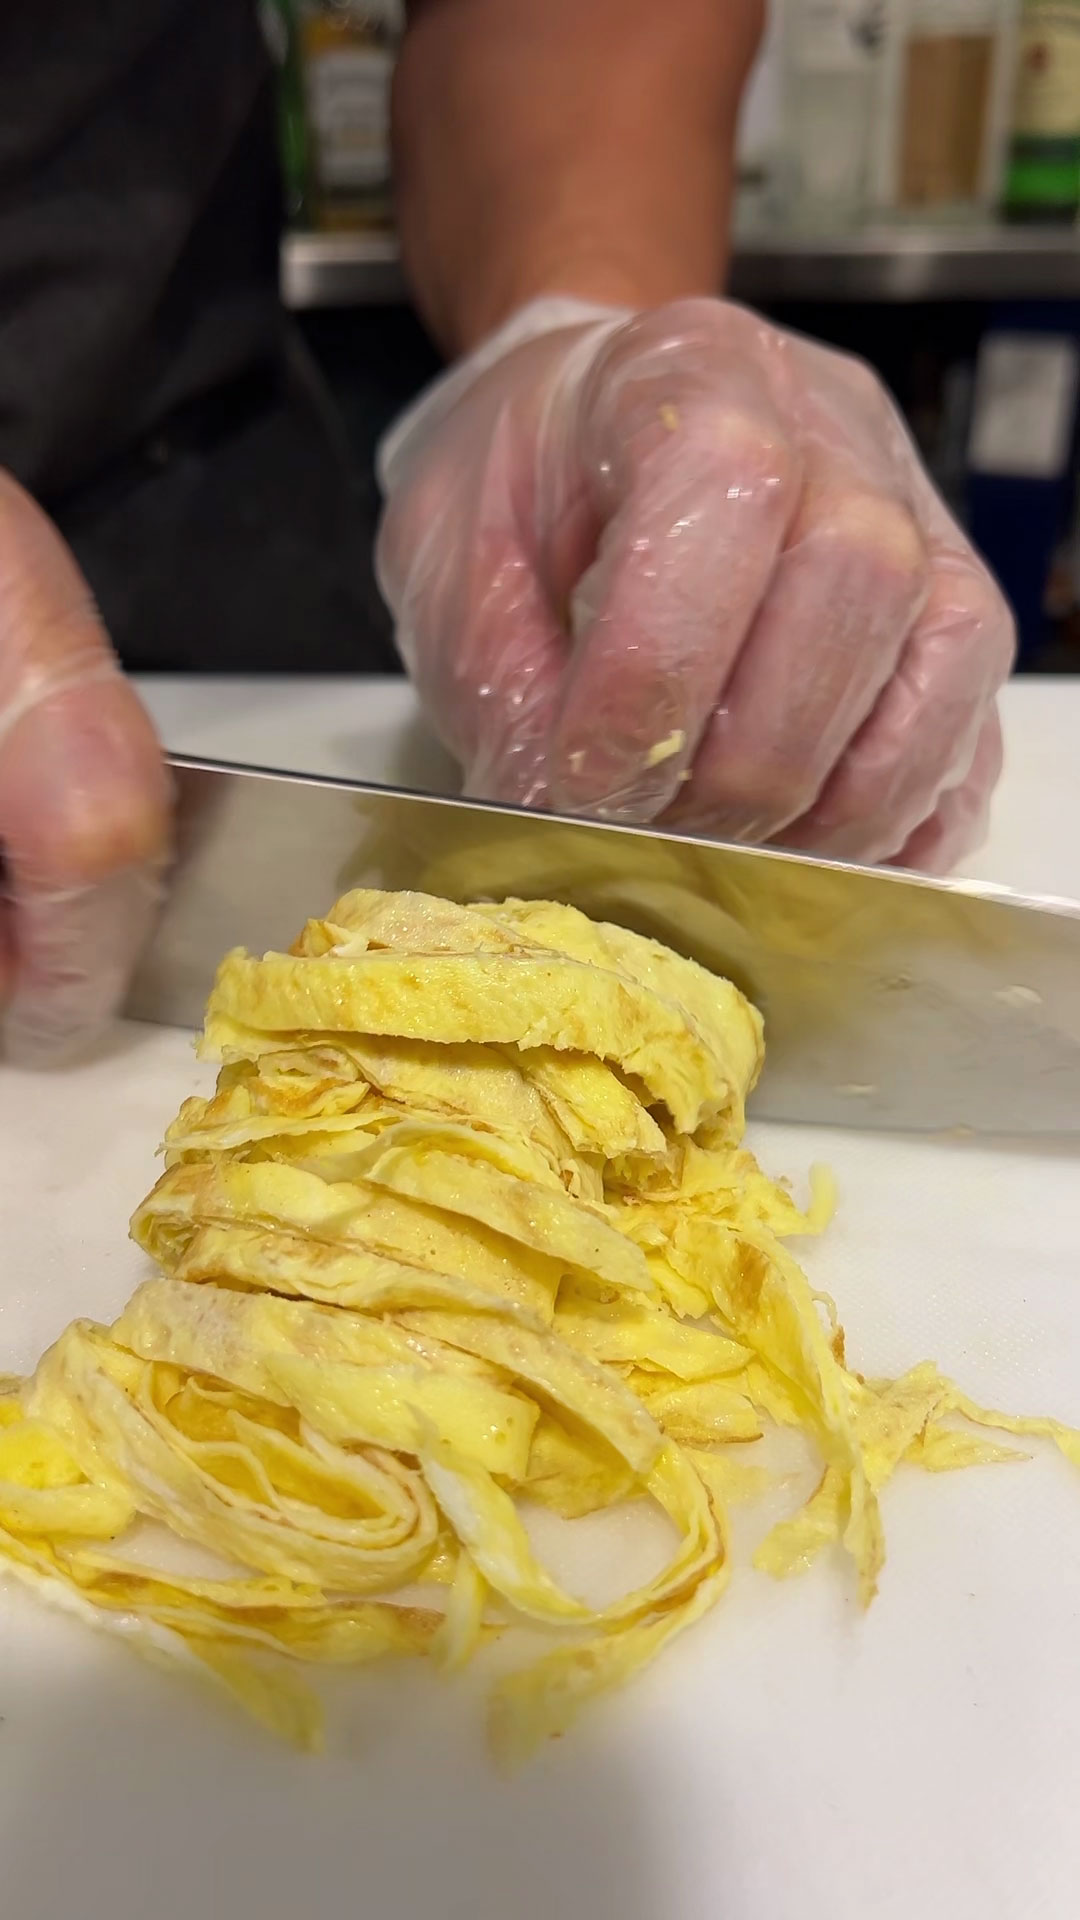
{"points": [[1043, 180], [830, 52], [281, 30], [347, 52], [952, 75]]}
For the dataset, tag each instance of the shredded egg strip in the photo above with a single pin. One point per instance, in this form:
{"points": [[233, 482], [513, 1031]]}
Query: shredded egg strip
{"points": [[466, 1225]]}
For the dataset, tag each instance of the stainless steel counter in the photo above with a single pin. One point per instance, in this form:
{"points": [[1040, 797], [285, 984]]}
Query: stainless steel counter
{"points": [[887, 262]]}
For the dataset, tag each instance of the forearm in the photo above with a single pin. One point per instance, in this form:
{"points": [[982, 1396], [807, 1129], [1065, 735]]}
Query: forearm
{"points": [[565, 146]]}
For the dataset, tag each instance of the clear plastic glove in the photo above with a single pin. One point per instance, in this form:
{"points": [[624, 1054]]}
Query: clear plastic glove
{"points": [[682, 565], [84, 799]]}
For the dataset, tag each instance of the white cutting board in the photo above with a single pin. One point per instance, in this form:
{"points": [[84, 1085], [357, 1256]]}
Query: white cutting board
{"points": [[788, 1759]]}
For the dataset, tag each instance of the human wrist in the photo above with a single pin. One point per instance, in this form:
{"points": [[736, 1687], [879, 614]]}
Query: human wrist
{"points": [[548, 313]]}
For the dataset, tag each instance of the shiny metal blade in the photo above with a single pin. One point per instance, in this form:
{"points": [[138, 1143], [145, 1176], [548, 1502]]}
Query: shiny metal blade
{"points": [[889, 1001]]}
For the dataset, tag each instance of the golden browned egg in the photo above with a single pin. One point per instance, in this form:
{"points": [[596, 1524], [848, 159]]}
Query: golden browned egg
{"points": [[466, 1225]]}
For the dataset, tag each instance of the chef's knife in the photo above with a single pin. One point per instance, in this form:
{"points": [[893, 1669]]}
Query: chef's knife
{"points": [[889, 1000]]}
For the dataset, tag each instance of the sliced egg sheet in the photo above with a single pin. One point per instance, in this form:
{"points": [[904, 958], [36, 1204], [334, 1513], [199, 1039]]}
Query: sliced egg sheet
{"points": [[466, 1229]]}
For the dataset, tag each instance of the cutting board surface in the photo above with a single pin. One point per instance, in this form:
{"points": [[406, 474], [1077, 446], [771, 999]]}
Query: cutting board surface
{"points": [[788, 1759]]}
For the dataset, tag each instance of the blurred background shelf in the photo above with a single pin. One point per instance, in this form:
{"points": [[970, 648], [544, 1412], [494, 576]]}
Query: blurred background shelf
{"points": [[889, 262], [340, 270]]}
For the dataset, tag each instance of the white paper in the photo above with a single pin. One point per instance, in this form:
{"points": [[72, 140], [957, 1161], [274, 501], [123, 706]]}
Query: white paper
{"points": [[1025, 397]]}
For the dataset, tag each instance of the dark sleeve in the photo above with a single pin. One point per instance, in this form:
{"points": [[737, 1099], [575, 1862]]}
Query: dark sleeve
{"points": [[139, 211]]}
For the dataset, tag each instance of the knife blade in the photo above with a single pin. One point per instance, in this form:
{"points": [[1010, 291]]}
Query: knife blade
{"points": [[890, 1001]]}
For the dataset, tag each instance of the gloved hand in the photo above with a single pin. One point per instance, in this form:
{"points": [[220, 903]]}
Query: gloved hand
{"points": [[682, 565], [84, 800]]}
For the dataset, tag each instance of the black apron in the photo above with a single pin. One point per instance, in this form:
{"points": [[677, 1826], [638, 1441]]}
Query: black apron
{"points": [[153, 395]]}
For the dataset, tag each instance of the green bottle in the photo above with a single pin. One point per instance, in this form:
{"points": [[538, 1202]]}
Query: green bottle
{"points": [[282, 32], [1043, 178]]}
